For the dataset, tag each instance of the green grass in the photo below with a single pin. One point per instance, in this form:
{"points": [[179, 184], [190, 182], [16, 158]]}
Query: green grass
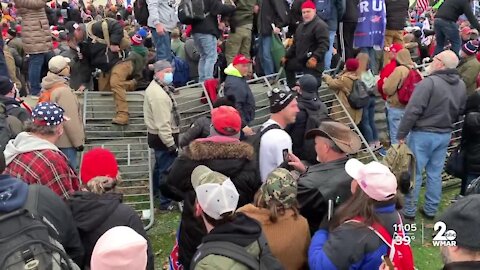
{"points": [[427, 257]]}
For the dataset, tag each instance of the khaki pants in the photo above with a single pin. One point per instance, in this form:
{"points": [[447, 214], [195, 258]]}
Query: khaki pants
{"points": [[391, 37], [239, 42], [117, 82]]}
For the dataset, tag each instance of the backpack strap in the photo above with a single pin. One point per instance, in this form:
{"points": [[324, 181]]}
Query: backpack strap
{"points": [[226, 249], [32, 199]]}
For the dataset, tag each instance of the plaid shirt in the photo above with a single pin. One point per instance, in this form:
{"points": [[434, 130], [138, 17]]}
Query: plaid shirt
{"points": [[46, 167]]}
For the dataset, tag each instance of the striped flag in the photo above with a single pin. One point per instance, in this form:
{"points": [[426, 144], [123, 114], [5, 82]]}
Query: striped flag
{"points": [[422, 5]]}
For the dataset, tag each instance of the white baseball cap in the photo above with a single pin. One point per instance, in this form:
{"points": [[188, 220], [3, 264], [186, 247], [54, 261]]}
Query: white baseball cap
{"points": [[216, 193], [374, 178], [58, 63]]}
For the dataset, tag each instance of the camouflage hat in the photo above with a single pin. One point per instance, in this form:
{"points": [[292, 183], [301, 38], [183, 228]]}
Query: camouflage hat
{"points": [[281, 187]]}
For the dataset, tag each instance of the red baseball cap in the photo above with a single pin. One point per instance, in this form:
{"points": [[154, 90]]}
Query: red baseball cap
{"points": [[226, 121], [241, 59]]}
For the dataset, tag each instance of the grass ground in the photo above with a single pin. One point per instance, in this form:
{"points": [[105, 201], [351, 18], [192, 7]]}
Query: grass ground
{"points": [[427, 257]]}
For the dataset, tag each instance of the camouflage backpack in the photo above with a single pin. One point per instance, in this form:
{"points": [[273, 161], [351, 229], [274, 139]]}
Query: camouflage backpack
{"points": [[401, 161]]}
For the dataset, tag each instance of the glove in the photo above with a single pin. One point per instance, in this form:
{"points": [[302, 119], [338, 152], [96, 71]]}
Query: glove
{"points": [[79, 148], [312, 63], [173, 149], [283, 61]]}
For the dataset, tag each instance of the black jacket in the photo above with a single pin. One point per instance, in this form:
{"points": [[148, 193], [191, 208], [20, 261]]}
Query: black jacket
{"points": [[351, 12], [471, 134], [235, 160], [310, 38], [199, 129], [295, 17], [14, 108], [397, 13], [210, 24], [462, 266], [95, 214], [322, 182], [272, 11], [452, 9], [50, 206], [238, 88]]}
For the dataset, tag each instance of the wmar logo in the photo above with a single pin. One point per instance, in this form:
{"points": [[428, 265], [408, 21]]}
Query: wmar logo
{"points": [[443, 237]]}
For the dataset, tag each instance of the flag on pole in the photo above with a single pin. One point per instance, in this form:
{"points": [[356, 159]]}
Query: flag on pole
{"points": [[422, 5]]}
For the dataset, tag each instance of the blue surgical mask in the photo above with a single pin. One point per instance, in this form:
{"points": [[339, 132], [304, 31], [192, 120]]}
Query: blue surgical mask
{"points": [[168, 78]]}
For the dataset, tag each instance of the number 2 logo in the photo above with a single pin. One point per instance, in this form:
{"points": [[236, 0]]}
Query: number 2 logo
{"points": [[443, 234]]}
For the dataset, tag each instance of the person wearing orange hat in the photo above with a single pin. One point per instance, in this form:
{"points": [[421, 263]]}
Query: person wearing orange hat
{"points": [[236, 86], [310, 43], [98, 207]]}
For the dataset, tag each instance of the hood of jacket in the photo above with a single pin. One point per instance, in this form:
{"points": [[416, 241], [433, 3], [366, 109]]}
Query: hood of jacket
{"points": [[451, 76], [8, 101], [210, 150], [242, 231], [90, 210], [13, 193], [24, 143], [232, 71], [51, 80], [309, 104], [404, 58]]}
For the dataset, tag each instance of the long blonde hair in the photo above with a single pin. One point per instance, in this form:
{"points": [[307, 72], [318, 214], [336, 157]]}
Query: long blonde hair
{"points": [[363, 63], [103, 184]]}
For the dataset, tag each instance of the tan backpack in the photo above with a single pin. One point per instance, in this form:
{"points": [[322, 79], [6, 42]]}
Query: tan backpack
{"points": [[401, 161]]}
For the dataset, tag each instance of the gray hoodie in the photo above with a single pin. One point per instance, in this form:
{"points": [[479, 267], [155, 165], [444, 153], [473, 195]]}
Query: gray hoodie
{"points": [[24, 143], [162, 11], [435, 105]]}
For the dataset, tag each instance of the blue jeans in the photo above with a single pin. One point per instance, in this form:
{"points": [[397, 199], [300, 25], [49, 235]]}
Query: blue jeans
{"points": [[35, 66], [447, 30], [267, 60], [163, 161], [329, 53], [162, 45], [71, 154], [430, 151], [207, 47], [367, 125], [394, 116], [372, 59]]}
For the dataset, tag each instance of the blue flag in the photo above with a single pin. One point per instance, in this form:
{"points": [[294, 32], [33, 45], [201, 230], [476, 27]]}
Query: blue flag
{"points": [[372, 20]]}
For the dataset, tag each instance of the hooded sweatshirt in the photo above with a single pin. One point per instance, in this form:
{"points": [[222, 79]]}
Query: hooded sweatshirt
{"points": [[62, 94], [396, 79], [24, 143], [435, 105], [95, 214], [236, 86]]}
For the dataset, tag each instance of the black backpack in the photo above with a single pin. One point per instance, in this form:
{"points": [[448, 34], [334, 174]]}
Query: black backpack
{"points": [[191, 11], [255, 141], [140, 9], [29, 241], [238, 253], [359, 96]]}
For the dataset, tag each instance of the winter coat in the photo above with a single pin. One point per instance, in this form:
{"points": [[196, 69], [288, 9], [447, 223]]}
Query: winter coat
{"points": [[452, 9], [209, 25], [343, 86], [62, 94], [310, 40], [435, 105], [242, 231], [95, 214], [11, 65], [178, 47], [199, 129], [350, 246], [289, 246], [322, 182], [471, 134], [469, 68], [17, 44], [271, 11], [467, 265], [237, 87], [36, 35], [384, 73], [395, 81], [50, 206], [295, 17], [80, 70], [397, 13], [243, 14], [232, 158], [14, 108], [162, 11]]}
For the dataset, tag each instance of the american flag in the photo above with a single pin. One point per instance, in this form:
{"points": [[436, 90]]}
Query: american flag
{"points": [[422, 5]]}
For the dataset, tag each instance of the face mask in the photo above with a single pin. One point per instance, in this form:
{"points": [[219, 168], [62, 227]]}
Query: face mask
{"points": [[168, 78]]}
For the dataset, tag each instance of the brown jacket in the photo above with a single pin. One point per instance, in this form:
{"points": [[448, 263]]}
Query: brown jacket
{"points": [[36, 36], [395, 80], [74, 134], [289, 245], [343, 87], [12, 69]]}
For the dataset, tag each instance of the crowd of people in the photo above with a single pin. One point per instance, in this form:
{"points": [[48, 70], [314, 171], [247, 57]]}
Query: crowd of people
{"points": [[288, 194]]}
